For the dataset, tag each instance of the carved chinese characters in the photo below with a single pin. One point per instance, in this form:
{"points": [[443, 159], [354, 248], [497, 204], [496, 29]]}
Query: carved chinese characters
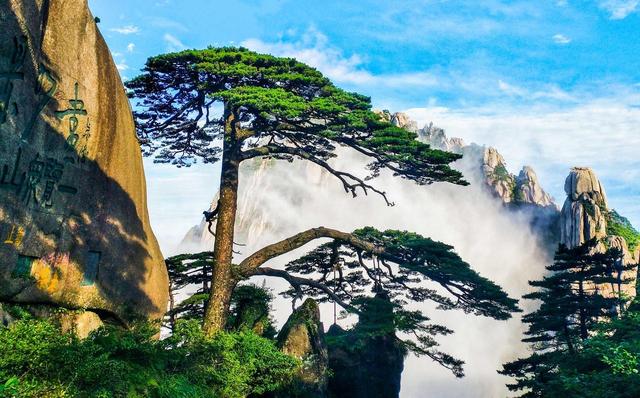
{"points": [[8, 76], [74, 228]]}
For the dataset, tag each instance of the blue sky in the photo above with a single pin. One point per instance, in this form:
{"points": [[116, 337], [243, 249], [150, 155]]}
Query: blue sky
{"points": [[552, 84]]}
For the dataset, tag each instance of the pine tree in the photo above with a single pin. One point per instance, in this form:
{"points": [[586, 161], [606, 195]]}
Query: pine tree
{"points": [[574, 297], [232, 105], [188, 270]]}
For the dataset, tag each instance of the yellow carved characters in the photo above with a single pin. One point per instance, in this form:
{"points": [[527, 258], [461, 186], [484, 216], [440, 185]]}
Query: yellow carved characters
{"points": [[15, 237]]}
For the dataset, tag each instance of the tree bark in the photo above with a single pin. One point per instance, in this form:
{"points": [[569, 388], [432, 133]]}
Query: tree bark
{"points": [[584, 334], [248, 266], [172, 304], [222, 281]]}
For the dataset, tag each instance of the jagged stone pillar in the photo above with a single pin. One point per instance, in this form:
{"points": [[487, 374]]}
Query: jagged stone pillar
{"points": [[584, 219]]}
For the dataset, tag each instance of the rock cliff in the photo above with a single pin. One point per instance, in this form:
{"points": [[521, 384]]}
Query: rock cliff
{"points": [[367, 361], [74, 226], [528, 189]]}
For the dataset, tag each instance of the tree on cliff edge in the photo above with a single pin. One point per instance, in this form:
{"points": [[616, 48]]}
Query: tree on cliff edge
{"points": [[280, 108]]}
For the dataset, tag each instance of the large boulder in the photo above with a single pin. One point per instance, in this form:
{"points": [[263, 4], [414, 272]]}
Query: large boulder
{"points": [[302, 337], [583, 216], [403, 120], [74, 226], [584, 219], [626, 259]]}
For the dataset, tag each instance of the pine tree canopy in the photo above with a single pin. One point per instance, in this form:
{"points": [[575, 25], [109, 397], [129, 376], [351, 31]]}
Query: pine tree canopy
{"points": [[277, 107], [404, 267], [399, 264]]}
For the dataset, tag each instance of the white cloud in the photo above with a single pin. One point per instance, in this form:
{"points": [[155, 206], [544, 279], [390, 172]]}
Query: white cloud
{"points": [[131, 47], [122, 66], [166, 23], [511, 90], [126, 30], [561, 39], [620, 9], [470, 78], [173, 43], [313, 49], [548, 91]]}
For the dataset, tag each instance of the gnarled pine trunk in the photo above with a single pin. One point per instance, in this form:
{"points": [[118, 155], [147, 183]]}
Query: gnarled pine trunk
{"points": [[223, 281]]}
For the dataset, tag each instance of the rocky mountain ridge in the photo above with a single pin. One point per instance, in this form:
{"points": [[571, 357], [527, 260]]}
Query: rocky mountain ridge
{"points": [[521, 189]]}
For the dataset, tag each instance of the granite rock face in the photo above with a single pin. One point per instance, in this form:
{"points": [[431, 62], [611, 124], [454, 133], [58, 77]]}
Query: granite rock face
{"points": [[584, 218], [528, 189], [74, 226], [437, 138], [523, 189], [498, 178], [583, 215], [402, 120]]}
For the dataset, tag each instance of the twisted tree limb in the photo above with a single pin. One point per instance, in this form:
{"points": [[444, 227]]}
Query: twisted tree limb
{"points": [[249, 265], [296, 282]]}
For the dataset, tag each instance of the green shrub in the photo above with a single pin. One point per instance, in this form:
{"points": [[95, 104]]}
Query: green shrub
{"points": [[621, 226], [37, 360]]}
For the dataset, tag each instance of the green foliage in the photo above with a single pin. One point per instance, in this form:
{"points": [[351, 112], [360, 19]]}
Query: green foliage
{"points": [[604, 365], [422, 257], [37, 360], [621, 226], [277, 100], [250, 304], [188, 270], [502, 174], [561, 331], [9, 388], [250, 310]]}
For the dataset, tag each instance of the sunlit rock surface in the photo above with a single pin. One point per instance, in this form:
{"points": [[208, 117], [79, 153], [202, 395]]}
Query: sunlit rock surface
{"points": [[528, 189], [584, 219], [583, 214], [74, 226]]}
